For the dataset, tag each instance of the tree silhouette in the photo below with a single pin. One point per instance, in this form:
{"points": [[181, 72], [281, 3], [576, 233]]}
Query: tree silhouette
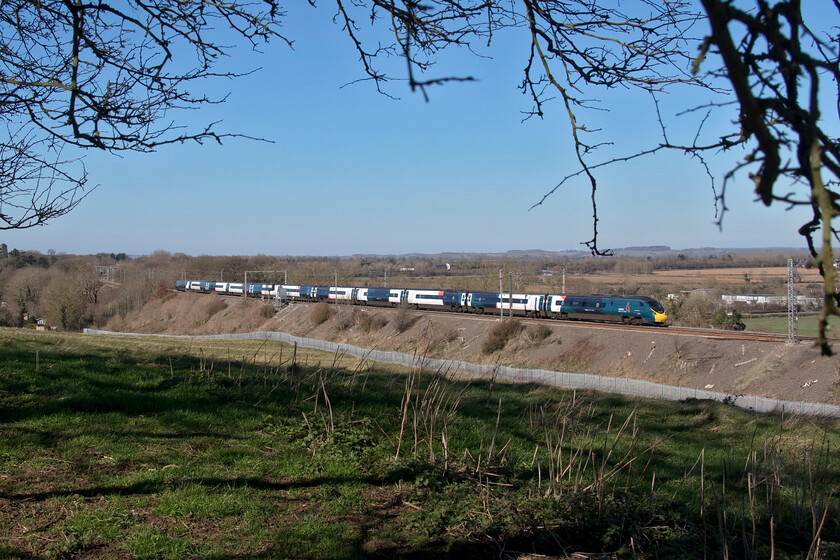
{"points": [[776, 76], [107, 76]]}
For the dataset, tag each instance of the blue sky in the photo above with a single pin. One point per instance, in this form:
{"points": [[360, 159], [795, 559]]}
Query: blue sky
{"points": [[351, 171]]}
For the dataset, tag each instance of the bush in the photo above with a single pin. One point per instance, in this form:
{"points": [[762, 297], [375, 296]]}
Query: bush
{"points": [[538, 333], [372, 323], [693, 310], [500, 334], [160, 292], [268, 310], [7, 317], [346, 318], [321, 313], [404, 320], [215, 305], [729, 321]]}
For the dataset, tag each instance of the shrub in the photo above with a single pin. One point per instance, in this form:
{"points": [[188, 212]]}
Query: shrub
{"points": [[371, 323], [160, 292], [500, 334], [215, 305], [321, 313], [7, 317], [267, 310], [404, 320], [537, 333], [721, 319], [346, 318]]}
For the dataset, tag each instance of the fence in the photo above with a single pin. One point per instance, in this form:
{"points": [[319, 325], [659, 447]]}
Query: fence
{"points": [[615, 385]]}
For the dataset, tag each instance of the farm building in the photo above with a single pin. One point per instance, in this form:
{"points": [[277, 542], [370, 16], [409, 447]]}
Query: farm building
{"points": [[766, 299]]}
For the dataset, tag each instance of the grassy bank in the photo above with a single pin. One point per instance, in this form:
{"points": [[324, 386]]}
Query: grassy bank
{"points": [[118, 447]]}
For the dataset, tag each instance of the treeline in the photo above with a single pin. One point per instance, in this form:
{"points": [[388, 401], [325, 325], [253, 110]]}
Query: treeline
{"points": [[70, 292], [75, 291]]}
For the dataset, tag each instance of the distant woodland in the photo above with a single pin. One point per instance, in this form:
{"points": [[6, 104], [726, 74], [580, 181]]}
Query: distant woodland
{"points": [[71, 292]]}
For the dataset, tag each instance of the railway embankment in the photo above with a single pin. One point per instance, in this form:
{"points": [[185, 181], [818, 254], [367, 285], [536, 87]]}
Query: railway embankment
{"points": [[793, 372]]}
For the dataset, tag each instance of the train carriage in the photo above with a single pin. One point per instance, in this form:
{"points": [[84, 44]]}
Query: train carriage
{"points": [[384, 296], [235, 287], [435, 299], [221, 287], [297, 291], [480, 302], [522, 304], [336, 293]]}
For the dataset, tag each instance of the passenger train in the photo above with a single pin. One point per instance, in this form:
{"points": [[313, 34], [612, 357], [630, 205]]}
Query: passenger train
{"points": [[636, 310]]}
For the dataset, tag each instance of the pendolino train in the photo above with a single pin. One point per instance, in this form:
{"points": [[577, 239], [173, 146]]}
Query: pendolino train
{"points": [[635, 310]]}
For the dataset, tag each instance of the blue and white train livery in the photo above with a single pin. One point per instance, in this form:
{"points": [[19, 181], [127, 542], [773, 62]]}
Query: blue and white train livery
{"points": [[636, 310]]}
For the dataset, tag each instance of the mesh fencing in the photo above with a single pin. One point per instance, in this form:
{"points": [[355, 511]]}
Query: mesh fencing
{"points": [[615, 385]]}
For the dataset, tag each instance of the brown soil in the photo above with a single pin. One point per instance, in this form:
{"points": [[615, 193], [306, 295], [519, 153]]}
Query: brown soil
{"points": [[795, 372]]}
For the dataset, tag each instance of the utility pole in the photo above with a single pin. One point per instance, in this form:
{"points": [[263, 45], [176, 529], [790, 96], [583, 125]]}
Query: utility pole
{"points": [[791, 302], [501, 291], [792, 308], [564, 281], [510, 290]]}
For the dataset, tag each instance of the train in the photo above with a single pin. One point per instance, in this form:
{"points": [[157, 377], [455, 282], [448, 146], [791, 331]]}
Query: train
{"points": [[637, 310]]}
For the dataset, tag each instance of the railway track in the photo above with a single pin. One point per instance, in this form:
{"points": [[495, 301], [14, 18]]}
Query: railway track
{"points": [[576, 323]]}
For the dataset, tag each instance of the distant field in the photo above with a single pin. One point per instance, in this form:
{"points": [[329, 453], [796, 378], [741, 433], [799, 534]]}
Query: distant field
{"points": [[725, 279], [807, 325], [736, 275]]}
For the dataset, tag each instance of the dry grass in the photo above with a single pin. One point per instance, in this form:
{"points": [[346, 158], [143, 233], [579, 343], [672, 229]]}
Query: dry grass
{"points": [[580, 353]]}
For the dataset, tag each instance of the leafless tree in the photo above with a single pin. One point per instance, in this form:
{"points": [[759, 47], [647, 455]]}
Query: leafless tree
{"points": [[88, 74], [785, 74], [759, 59]]}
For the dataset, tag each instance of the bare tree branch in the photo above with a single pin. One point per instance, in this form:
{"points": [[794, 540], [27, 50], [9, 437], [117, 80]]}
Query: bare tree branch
{"points": [[89, 74]]}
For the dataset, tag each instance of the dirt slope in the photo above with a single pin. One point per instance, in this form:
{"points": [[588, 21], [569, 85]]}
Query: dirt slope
{"points": [[777, 370]]}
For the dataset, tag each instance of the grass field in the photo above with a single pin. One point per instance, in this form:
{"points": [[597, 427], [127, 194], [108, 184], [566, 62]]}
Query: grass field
{"points": [[136, 447], [806, 325]]}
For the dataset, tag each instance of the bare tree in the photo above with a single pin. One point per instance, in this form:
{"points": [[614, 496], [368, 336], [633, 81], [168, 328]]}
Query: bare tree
{"points": [[785, 74], [79, 74], [779, 73]]}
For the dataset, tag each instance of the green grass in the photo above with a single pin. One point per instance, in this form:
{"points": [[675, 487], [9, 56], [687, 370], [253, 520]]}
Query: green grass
{"points": [[806, 326], [140, 447]]}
